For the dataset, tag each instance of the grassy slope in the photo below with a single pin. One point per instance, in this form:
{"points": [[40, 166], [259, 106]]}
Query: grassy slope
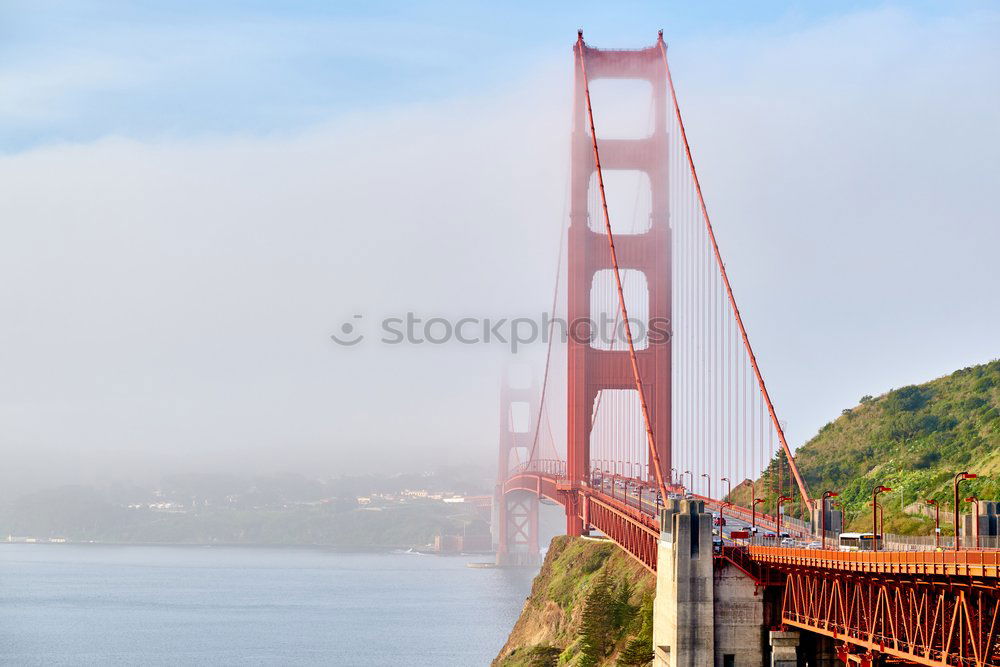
{"points": [[552, 614], [912, 439]]}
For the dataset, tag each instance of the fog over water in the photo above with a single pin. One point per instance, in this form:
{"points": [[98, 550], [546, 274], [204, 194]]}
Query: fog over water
{"points": [[168, 289]]}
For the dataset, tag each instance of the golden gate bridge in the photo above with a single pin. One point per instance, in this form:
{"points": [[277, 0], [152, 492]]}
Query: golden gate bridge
{"points": [[651, 421]]}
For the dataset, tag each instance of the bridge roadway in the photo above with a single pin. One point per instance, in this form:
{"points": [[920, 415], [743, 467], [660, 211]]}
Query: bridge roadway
{"points": [[922, 607], [629, 519]]}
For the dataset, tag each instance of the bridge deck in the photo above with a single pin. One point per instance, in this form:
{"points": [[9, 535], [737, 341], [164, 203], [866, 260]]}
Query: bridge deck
{"points": [[982, 563]]}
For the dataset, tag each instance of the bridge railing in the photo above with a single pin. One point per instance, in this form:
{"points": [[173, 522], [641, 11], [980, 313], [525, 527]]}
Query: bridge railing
{"points": [[553, 467], [890, 542]]}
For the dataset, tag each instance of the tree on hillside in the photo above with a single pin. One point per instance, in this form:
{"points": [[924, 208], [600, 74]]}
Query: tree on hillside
{"points": [[597, 628], [542, 656], [623, 610], [639, 651]]}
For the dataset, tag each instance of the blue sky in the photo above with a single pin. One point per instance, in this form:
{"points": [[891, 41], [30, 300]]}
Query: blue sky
{"points": [[78, 71]]}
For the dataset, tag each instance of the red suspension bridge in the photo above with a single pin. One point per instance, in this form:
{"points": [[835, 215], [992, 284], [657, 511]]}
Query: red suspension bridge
{"points": [[661, 393]]}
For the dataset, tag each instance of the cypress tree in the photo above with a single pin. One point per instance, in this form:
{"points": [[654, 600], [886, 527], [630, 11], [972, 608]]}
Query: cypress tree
{"points": [[597, 625]]}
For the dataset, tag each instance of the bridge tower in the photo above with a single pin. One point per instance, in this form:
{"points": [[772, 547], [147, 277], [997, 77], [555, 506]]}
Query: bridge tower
{"points": [[515, 521], [592, 369]]}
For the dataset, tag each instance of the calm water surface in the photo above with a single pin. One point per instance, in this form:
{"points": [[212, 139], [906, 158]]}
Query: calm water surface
{"points": [[87, 604]]}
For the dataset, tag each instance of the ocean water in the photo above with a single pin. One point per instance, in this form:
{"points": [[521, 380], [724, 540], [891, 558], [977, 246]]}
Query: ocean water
{"points": [[63, 604]]}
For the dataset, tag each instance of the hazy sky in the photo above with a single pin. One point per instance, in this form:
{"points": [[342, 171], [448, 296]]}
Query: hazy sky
{"points": [[192, 200]]}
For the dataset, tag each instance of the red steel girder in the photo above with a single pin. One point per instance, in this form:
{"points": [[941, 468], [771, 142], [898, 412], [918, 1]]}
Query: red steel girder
{"points": [[928, 622]]}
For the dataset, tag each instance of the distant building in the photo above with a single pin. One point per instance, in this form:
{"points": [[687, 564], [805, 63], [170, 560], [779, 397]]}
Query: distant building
{"points": [[364, 500]]}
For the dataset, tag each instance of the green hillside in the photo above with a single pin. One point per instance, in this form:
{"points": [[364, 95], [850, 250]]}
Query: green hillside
{"points": [[591, 605], [912, 439]]}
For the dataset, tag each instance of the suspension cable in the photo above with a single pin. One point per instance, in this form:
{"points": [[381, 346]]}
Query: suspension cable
{"points": [[548, 352]]}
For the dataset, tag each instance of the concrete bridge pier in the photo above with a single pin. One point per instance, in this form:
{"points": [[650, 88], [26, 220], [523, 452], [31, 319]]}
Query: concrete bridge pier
{"points": [[784, 648], [707, 613]]}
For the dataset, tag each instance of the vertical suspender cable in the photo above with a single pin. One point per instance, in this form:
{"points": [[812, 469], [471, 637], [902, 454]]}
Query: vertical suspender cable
{"points": [[725, 278]]}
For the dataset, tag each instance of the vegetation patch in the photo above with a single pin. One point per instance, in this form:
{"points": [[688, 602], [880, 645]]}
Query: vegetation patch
{"points": [[591, 604]]}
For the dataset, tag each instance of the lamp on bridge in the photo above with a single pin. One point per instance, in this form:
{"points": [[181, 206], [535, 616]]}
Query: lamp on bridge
{"points": [[709, 480], [877, 490], [822, 514], [937, 522], [729, 492], [753, 488], [958, 480], [688, 472], [781, 499], [880, 527], [673, 476], [753, 513], [975, 521]]}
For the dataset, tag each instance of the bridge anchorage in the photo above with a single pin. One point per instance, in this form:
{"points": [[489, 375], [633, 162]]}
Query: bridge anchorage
{"points": [[652, 420]]}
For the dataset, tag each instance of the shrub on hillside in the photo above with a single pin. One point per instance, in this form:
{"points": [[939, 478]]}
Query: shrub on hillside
{"points": [[907, 399]]}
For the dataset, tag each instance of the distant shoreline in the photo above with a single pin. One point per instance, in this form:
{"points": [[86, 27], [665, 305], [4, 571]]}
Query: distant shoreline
{"points": [[401, 550]]}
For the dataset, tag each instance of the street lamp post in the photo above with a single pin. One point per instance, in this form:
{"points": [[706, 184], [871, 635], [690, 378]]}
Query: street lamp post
{"points": [[688, 472], [709, 480], [877, 490], [822, 514], [673, 476], [937, 522], [958, 480], [753, 512], [975, 523], [729, 492], [781, 499]]}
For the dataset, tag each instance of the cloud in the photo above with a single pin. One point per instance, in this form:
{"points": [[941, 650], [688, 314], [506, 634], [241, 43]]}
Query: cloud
{"points": [[171, 301], [167, 301]]}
